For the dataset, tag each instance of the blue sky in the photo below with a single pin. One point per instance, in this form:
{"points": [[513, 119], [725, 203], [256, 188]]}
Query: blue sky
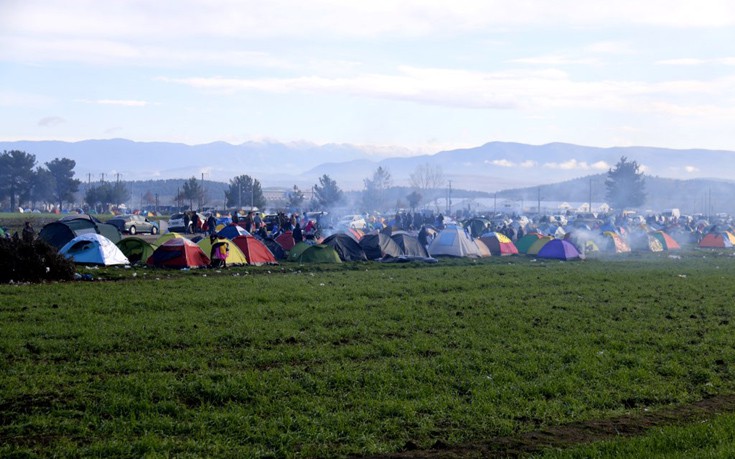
{"points": [[421, 75]]}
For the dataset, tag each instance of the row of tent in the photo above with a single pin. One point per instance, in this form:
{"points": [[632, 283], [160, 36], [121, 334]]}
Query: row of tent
{"points": [[174, 251]]}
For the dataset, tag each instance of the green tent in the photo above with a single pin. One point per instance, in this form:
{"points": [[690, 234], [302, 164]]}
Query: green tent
{"points": [[319, 253], [136, 249], [525, 243], [296, 251]]}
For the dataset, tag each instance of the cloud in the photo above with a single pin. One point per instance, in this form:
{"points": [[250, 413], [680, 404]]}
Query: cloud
{"points": [[507, 163], [573, 164], [691, 169], [688, 61], [51, 121]]}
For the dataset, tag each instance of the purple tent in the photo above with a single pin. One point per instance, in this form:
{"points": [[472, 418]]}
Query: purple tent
{"points": [[559, 249]]}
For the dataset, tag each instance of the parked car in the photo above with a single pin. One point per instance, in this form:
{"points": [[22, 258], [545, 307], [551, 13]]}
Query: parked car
{"points": [[176, 223], [352, 221], [133, 224]]}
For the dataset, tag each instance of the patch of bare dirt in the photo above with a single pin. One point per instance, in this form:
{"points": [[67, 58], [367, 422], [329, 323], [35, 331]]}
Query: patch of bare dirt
{"points": [[567, 435]]}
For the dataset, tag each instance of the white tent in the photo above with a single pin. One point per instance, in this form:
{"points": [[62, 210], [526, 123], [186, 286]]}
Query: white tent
{"points": [[453, 241], [93, 249]]}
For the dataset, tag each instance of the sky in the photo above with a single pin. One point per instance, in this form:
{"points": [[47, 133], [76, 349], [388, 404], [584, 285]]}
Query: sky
{"points": [[419, 75]]}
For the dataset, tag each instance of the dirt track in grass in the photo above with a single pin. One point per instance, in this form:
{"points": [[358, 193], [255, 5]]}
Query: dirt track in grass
{"points": [[568, 435]]}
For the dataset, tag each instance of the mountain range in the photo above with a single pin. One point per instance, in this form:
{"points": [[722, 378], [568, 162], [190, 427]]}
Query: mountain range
{"points": [[491, 167]]}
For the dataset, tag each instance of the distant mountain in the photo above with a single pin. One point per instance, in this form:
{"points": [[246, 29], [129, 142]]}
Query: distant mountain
{"points": [[489, 168]]}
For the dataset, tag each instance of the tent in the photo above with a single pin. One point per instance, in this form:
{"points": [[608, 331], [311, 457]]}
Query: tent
{"points": [[318, 253], [484, 250], [60, 232], [166, 237], [93, 249], [477, 226], [667, 242], [297, 250], [615, 243], [235, 257], [559, 249], [136, 249], [499, 244], [255, 251], [409, 244], [716, 241], [346, 246], [232, 231], [178, 253], [286, 240], [525, 243], [453, 242], [379, 245], [536, 246], [275, 248]]}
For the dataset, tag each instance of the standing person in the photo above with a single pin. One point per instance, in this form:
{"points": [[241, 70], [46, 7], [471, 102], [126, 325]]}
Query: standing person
{"points": [[219, 253], [235, 217], [28, 232], [195, 223], [211, 224], [298, 235], [186, 222]]}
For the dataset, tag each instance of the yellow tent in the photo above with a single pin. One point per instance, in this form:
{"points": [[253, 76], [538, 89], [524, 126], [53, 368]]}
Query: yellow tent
{"points": [[234, 254], [536, 246], [165, 237]]}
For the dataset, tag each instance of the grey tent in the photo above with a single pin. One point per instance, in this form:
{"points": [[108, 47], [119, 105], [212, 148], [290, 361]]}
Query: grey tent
{"points": [[60, 232], [379, 245]]}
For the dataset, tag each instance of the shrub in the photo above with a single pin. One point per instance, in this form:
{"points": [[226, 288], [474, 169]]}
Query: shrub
{"points": [[32, 262]]}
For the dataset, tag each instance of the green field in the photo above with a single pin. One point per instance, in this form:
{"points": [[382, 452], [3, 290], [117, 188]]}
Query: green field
{"points": [[367, 359]]}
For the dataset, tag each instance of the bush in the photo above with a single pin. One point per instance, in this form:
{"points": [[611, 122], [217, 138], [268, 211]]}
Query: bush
{"points": [[32, 262]]}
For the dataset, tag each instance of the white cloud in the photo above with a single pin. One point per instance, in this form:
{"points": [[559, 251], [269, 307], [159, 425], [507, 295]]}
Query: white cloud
{"points": [[528, 164], [501, 163], [573, 164], [691, 169], [690, 61]]}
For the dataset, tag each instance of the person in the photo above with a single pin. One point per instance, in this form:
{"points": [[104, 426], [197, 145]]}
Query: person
{"points": [[186, 222], [195, 223], [28, 232], [212, 224], [298, 236], [219, 253], [235, 217]]}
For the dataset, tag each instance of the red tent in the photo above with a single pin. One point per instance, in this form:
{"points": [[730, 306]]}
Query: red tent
{"points": [[286, 241], [178, 253], [255, 251]]}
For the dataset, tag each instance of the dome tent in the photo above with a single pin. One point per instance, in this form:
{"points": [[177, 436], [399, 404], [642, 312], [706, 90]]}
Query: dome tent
{"points": [[178, 253], [93, 249]]}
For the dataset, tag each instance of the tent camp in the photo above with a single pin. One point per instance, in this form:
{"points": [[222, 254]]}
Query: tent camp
{"points": [[232, 231], [93, 249], [559, 249], [453, 242], [235, 257], [499, 244], [255, 251], [525, 243], [60, 232], [379, 245], [409, 244], [136, 249], [178, 253], [346, 246], [477, 226]]}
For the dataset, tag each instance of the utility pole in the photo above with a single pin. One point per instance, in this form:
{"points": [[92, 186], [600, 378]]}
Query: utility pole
{"points": [[103, 177], [495, 203], [590, 209], [539, 201], [239, 194]]}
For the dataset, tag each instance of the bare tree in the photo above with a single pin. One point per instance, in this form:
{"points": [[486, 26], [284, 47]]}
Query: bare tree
{"points": [[428, 179]]}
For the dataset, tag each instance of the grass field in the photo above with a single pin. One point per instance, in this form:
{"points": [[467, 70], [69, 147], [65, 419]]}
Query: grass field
{"points": [[371, 359]]}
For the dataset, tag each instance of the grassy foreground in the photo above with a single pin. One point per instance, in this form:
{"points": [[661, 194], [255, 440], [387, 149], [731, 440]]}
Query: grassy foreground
{"points": [[356, 359]]}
